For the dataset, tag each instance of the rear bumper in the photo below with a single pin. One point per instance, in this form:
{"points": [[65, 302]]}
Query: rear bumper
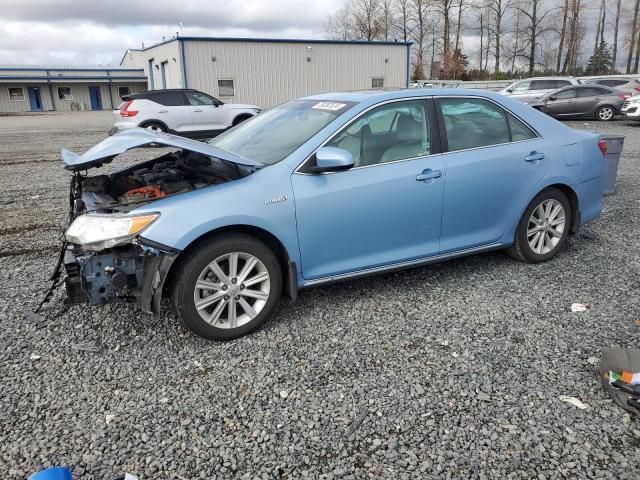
{"points": [[127, 274]]}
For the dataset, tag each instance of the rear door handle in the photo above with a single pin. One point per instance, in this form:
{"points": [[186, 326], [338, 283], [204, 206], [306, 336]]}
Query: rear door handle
{"points": [[428, 174], [534, 157], [162, 111]]}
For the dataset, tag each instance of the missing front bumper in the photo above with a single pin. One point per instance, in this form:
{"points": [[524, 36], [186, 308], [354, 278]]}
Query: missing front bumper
{"points": [[129, 274]]}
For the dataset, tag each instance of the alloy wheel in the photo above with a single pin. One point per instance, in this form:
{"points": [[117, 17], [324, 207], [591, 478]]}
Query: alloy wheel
{"points": [[546, 226], [232, 290], [605, 113]]}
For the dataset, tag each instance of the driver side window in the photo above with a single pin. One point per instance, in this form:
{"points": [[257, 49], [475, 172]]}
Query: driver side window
{"points": [[391, 132]]}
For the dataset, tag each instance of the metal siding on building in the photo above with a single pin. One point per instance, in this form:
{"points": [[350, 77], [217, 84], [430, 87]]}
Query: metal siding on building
{"points": [[167, 52], [268, 73], [7, 105]]}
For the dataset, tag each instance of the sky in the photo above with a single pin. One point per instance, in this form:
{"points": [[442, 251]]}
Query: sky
{"points": [[90, 32]]}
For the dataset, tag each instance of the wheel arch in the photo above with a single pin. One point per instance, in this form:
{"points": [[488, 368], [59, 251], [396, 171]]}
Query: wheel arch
{"points": [[288, 267], [241, 117], [573, 201]]}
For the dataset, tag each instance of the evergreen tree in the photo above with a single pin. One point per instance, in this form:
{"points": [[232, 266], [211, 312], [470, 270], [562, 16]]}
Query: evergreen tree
{"points": [[601, 62]]}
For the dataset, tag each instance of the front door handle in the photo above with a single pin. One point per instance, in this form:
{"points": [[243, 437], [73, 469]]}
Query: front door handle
{"points": [[162, 111], [534, 157], [198, 110], [428, 174]]}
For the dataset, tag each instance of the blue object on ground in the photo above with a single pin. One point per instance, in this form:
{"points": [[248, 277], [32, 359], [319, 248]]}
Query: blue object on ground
{"points": [[53, 473]]}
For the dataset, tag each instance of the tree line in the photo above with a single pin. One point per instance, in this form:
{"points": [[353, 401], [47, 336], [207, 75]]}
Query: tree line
{"points": [[500, 39]]}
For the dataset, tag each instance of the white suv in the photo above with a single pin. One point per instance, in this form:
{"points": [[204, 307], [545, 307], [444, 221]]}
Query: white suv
{"points": [[185, 112], [527, 90], [631, 108]]}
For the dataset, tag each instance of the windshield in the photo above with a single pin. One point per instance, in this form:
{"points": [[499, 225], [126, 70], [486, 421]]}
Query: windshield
{"points": [[273, 135]]}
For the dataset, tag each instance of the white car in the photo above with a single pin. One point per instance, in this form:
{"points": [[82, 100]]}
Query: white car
{"points": [[631, 108], [185, 112], [531, 88]]}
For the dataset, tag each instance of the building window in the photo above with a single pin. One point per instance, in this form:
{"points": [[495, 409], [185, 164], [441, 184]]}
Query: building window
{"points": [[64, 93], [122, 91], [16, 94], [377, 82], [226, 88]]}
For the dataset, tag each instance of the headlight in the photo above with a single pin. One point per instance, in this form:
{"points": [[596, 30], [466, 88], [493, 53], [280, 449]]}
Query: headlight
{"points": [[99, 231]]}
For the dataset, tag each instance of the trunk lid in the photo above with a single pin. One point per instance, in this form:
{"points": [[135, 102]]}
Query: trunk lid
{"points": [[105, 151]]}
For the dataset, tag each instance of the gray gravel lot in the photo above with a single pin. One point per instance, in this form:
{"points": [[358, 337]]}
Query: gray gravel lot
{"points": [[448, 371]]}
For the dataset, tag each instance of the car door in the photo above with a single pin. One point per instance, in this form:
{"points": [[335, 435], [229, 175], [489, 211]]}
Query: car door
{"points": [[494, 163], [387, 208], [170, 108], [207, 112], [587, 100], [562, 103]]}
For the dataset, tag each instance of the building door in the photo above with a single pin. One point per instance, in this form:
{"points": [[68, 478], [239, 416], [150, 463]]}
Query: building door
{"points": [[163, 71], [34, 99], [96, 98]]}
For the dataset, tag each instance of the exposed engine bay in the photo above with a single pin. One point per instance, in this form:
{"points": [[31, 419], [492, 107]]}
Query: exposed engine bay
{"points": [[171, 174], [134, 271]]}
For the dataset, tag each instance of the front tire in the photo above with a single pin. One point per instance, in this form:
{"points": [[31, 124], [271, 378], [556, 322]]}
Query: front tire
{"points": [[543, 228], [227, 287], [606, 113]]}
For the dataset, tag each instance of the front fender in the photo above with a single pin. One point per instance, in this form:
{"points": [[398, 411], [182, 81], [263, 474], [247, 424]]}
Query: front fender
{"points": [[263, 200]]}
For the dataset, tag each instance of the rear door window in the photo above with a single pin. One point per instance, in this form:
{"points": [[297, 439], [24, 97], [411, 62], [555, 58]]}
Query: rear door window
{"points": [[169, 99], [473, 123], [519, 130], [592, 92]]}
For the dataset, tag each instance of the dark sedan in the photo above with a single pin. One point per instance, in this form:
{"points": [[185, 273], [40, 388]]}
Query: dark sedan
{"points": [[593, 101]]}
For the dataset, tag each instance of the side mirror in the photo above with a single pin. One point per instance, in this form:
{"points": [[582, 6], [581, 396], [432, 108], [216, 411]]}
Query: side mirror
{"points": [[332, 159], [509, 90], [552, 99]]}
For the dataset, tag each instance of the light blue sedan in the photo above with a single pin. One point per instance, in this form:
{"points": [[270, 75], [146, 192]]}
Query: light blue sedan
{"points": [[321, 189]]}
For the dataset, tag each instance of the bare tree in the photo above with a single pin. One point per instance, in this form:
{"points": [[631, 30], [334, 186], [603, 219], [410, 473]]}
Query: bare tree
{"points": [[338, 25], [443, 7], [387, 17], [534, 11], [600, 27], [402, 18], [614, 56], [418, 10], [499, 9], [563, 31], [459, 25], [634, 33], [571, 58]]}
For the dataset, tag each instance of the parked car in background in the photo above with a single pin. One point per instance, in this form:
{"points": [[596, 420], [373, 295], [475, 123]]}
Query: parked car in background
{"points": [[321, 189], [624, 84], [184, 112], [526, 90], [631, 108], [592, 101]]}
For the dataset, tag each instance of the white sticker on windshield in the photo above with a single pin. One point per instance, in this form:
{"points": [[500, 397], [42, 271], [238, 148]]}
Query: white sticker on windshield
{"points": [[333, 106]]}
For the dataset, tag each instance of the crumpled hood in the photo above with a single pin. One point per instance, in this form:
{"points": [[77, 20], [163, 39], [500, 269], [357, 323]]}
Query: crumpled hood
{"points": [[125, 140]]}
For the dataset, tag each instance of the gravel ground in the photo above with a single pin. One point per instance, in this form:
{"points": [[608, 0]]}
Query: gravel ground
{"points": [[449, 371]]}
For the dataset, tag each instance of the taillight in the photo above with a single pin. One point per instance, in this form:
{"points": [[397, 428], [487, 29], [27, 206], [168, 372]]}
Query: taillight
{"points": [[125, 112], [602, 145], [623, 96], [637, 89]]}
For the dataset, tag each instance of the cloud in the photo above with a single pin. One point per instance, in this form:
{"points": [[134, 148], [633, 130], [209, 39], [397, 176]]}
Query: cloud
{"points": [[74, 32]]}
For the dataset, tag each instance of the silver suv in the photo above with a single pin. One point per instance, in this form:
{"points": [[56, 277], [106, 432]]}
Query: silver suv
{"points": [[185, 112], [531, 88]]}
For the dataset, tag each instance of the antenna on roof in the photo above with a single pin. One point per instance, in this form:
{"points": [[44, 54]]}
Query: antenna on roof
{"points": [[181, 29]]}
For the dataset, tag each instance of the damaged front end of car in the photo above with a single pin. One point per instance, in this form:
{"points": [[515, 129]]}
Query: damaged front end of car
{"points": [[105, 257]]}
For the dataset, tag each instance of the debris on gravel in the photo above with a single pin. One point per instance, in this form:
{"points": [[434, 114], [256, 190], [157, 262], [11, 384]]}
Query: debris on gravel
{"points": [[449, 371]]}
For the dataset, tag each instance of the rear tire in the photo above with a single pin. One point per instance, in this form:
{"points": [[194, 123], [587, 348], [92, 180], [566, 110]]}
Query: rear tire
{"points": [[606, 113], [543, 228], [155, 127], [227, 287]]}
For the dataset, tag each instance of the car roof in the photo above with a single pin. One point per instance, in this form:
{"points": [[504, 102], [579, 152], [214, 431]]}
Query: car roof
{"points": [[144, 95], [392, 94]]}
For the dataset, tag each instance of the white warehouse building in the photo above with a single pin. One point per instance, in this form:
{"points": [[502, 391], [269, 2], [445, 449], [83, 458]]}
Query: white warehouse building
{"points": [[55, 88], [266, 72]]}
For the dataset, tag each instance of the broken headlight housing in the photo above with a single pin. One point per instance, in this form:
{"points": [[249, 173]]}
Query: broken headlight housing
{"points": [[96, 231]]}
